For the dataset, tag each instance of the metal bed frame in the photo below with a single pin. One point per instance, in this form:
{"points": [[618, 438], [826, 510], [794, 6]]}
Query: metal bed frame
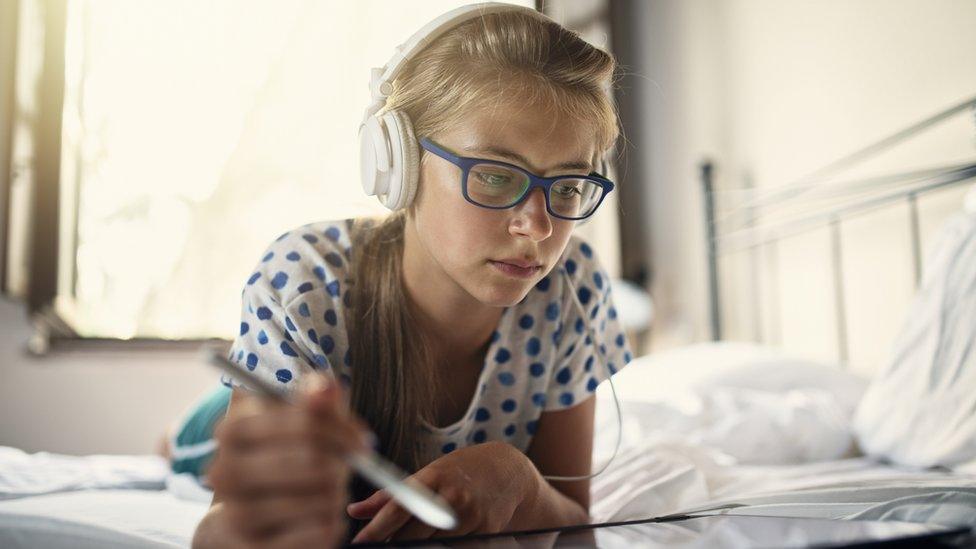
{"points": [[745, 226]]}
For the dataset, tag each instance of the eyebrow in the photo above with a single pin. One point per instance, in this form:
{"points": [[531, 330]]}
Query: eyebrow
{"points": [[512, 155]]}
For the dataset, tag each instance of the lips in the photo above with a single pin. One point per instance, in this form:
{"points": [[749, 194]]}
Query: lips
{"points": [[516, 268]]}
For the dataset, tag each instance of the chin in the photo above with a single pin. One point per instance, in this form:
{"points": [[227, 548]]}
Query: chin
{"points": [[502, 295]]}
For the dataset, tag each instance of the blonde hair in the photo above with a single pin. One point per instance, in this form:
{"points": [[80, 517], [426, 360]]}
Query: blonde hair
{"points": [[493, 58]]}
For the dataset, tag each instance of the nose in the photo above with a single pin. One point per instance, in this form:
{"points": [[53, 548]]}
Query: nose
{"points": [[531, 218]]}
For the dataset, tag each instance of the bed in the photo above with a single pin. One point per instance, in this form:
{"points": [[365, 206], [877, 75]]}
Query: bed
{"points": [[721, 427]]}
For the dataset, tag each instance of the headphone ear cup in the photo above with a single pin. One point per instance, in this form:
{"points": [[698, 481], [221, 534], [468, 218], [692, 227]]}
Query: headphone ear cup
{"points": [[406, 160]]}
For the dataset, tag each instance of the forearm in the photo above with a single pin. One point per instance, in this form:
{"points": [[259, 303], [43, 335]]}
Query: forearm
{"points": [[546, 507]]}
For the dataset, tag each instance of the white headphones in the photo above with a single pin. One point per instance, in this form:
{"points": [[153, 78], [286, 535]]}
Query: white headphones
{"points": [[389, 155]]}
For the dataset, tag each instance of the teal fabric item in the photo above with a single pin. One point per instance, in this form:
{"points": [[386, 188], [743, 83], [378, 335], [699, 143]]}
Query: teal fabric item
{"points": [[193, 445]]}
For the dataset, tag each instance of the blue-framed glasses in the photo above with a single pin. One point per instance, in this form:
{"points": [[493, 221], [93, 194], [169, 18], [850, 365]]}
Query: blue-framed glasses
{"points": [[500, 185]]}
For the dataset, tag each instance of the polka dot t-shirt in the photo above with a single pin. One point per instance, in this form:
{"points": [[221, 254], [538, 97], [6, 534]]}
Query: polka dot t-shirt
{"points": [[542, 356]]}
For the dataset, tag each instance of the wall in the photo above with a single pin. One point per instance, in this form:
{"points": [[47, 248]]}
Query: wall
{"points": [[90, 402], [772, 90]]}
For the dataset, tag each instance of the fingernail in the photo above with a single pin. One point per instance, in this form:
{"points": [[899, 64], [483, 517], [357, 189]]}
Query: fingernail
{"points": [[370, 441]]}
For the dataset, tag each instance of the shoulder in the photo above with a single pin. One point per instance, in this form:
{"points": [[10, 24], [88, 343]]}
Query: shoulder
{"points": [[309, 257]]}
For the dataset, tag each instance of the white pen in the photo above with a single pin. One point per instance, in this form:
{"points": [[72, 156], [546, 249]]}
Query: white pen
{"points": [[381, 473]]}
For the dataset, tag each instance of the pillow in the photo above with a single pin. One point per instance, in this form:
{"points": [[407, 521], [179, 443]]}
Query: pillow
{"points": [[920, 409], [732, 364], [753, 403]]}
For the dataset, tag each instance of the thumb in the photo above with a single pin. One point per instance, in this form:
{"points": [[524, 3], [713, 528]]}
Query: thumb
{"points": [[368, 507], [322, 394]]}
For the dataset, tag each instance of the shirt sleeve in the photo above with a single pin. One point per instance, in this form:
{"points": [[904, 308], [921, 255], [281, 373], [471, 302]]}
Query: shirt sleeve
{"points": [[591, 346], [290, 313]]}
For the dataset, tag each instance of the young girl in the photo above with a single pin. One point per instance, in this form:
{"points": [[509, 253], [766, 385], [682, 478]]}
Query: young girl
{"points": [[451, 329]]}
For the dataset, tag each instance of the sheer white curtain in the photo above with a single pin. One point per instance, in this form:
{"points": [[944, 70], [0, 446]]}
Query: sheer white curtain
{"points": [[196, 132]]}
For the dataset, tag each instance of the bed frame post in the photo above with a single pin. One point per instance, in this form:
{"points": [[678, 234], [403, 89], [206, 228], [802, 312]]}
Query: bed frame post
{"points": [[713, 288]]}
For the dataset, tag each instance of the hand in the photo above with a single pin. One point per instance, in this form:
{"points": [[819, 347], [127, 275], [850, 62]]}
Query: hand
{"points": [[280, 469], [484, 484]]}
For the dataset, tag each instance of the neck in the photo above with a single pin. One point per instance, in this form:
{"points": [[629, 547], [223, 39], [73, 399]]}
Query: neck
{"points": [[458, 327]]}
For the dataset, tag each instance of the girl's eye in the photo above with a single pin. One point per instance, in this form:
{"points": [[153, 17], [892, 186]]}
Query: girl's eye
{"points": [[494, 179], [566, 190]]}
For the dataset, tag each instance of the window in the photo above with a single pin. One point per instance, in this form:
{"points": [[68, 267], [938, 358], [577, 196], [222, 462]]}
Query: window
{"points": [[193, 134]]}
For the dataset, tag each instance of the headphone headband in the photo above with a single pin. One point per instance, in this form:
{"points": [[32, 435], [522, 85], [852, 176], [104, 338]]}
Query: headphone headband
{"points": [[381, 77]]}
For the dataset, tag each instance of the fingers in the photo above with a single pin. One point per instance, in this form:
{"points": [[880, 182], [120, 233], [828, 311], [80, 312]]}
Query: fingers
{"points": [[296, 468], [369, 506], [390, 518], [414, 529]]}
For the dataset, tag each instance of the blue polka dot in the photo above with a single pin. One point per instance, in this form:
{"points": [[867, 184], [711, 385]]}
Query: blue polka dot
{"points": [[312, 336], [333, 259], [252, 361], [531, 426], [482, 415], [526, 322], [305, 287], [448, 448], [603, 349], [310, 238], [628, 357], [347, 300], [332, 233], [591, 385], [587, 251], [570, 266], [563, 375], [502, 355], [543, 284], [598, 281], [293, 256], [536, 369], [321, 360], [283, 375], [495, 336], [595, 310], [566, 399], [611, 368], [330, 317], [552, 311], [533, 346], [584, 295], [264, 313], [589, 363], [612, 313], [286, 349], [319, 272], [288, 337], [480, 436], [579, 326], [333, 288], [620, 340], [303, 310], [327, 344], [267, 257], [240, 355], [262, 337], [254, 278], [509, 405], [506, 378], [279, 280], [510, 430], [539, 399], [244, 328], [289, 324]]}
